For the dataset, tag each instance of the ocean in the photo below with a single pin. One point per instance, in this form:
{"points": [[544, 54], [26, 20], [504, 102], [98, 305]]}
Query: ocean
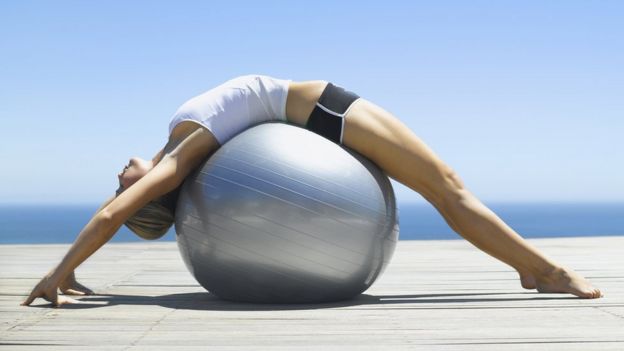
{"points": [[26, 224]]}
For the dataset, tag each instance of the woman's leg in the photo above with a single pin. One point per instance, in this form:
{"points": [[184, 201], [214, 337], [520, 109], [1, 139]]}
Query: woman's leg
{"points": [[384, 139]]}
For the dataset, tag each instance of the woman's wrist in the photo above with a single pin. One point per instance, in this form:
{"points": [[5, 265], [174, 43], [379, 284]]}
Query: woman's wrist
{"points": [[57, 275]]}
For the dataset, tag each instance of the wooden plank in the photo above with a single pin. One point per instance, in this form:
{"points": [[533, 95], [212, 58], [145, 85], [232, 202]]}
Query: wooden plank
{"points": [[435, 295]]}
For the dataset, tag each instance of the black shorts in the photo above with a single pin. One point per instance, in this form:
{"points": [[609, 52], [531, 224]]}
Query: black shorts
{"points": [[327, 118]]}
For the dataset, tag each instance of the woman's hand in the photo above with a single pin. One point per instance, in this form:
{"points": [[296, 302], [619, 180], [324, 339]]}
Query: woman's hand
{"points": [[70, 286], [47, 289]]}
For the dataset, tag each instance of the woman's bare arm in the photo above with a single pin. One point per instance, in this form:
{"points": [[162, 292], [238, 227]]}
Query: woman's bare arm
{"points": [[158, 156], [105, 203], [69, 285], [173, 167]]}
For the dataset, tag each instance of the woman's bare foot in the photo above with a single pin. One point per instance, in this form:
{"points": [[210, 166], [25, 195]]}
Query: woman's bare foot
{"points": [[561, 280]]}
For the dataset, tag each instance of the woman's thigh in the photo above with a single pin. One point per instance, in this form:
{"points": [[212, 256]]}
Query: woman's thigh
{"points": [[384, 139]]}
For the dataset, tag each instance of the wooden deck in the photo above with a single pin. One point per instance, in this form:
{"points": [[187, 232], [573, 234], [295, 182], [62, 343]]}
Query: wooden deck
{"points": [[435, 295]]}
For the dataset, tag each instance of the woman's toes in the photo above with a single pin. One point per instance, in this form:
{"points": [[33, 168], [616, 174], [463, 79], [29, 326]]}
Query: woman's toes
{"points": [[564, 280]]}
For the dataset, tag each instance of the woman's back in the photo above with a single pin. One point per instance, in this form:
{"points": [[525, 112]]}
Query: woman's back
{"points": [[235, 106]]}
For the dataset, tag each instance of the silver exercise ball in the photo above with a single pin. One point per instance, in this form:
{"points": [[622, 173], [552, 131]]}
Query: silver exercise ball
{"points": [[280, 214]]}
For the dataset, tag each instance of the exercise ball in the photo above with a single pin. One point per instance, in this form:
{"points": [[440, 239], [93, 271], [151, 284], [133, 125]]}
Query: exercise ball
{"points": [[279, 214]]}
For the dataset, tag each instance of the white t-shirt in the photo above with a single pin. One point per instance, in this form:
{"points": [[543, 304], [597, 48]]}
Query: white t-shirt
{"points": [[236, 105]]}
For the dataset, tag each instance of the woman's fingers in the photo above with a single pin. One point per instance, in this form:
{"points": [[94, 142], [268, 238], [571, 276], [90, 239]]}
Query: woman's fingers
{"points": [[57, 300], [76, 289], [64, 300], [33, 295], [72, 292], [38, 291], [83, 289], [81, 292], [47, 290]]}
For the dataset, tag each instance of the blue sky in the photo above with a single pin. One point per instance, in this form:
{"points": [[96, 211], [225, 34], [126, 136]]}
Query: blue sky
{"points": [[523, 99]]}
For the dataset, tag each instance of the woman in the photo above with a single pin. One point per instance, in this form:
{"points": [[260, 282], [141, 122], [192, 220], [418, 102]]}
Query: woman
{"points": [[145, 198]]}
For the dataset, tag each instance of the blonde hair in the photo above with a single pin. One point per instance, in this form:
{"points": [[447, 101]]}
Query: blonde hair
{"points": [[153, 220]]}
